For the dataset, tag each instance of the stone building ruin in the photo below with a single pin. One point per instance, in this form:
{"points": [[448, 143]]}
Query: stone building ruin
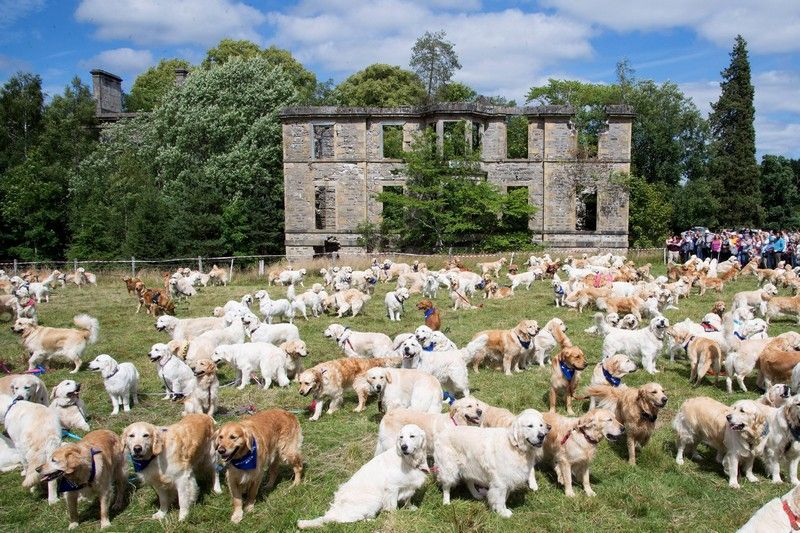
{"points": [[336, 160]]}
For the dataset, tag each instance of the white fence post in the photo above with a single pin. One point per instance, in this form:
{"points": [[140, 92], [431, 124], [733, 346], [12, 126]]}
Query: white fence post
{"points": [[15, 267], [230, 271], [75, 264], [260, 267], [199, 263], [133, 267]]}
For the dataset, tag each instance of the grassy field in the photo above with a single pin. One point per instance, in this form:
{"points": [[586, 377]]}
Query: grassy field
{"points": [[655, 495]]}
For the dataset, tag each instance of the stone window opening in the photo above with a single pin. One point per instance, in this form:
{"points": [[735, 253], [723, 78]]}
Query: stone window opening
{"points": [[517, 137], [392, 136], [477, 136], [520, 193], [454, 141], [325, 207], [586, 208], [392, 214], [323, 141]]}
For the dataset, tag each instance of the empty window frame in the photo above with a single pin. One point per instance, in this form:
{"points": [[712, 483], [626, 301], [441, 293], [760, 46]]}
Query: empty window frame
{"points": [[516, 195], [517, 137], [392, 213], [325, 207], [586, 208], [455, 140], [392, 141], [323, 141], [477, 135]]}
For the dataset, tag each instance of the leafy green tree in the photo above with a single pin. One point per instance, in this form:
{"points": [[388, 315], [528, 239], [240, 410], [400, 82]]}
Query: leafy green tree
{"points": [[151, 86], [456, 92], [780, 198], [434, 59], [517, 138], [696, 203], [228, 49], [21, 110], [380, 85], [733, 149], [649, 213], [447, 200]]}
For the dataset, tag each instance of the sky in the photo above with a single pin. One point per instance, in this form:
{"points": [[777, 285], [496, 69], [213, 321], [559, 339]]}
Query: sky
{"points": [[504, 47]]}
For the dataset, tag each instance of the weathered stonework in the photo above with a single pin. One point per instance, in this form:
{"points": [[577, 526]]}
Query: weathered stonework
{"points": [[358, 171]]}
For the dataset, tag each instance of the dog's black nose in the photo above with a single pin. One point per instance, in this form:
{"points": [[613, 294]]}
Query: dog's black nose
{"points": [[378, 387], [39, 469], [221, 450], [549, 427], [404, 447], [542, 436], [137, 449], [479, 411], [728, 418]]}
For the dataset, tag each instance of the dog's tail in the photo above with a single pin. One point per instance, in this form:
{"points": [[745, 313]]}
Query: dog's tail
{"points": [[601, 324], [389, 361], [601, 304], [608, 395], [89, 324], [308, 524], [474, 348]]}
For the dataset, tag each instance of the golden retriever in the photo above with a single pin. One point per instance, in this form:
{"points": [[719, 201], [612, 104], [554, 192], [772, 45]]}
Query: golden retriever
{"points": [[94, 466], [204, 396], [251, 446], [170, 458], [704, 354], [565, 375], [636, 408], [508, 345], [624, 305], [775, 365], [611, 371], [572, 443], [44, 342]]}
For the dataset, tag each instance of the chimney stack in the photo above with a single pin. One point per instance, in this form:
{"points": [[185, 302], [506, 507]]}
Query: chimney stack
{"points": [[180, 76], [107, 90]]}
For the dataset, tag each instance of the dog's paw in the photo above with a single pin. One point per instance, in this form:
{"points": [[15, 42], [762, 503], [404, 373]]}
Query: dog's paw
{"points": [[73, 525], [159, 515], [237, 516], [505, 513]]}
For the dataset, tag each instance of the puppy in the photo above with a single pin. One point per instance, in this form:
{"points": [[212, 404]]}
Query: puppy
{"points": [[509, 346], [66, 401], [565, 375], [254, 444], [433, 319], [24, 387], [121, 381], [170, 458], [326, 382], [93, 466], [408, 388], [610, 372], [44, 343], [387, 479], [571, 444], [636, 408], [176, 375], [737, 433], [463, 412], [205, 394], [394, 303], [502, 459]]}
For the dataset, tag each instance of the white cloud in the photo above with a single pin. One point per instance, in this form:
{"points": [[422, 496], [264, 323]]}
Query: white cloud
{"points": [[501, 52], [148, 22], [9, 64], [120, 61], [768, 25], [773, 137], [13, 10]]}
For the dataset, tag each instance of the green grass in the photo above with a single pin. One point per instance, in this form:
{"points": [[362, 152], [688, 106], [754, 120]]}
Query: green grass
{"points": [[655, 495]]}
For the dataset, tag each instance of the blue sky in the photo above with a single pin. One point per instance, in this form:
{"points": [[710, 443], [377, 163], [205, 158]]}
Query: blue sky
{"points": [[505, 47]]}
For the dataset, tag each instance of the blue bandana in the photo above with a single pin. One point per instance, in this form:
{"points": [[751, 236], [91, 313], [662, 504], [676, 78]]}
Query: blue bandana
{"points": [[429, 312], [140, 464], [567, 371], [559, 289], [67, 485], [524, 344], [612, 380], [446, 396], [480, 285], [373, 281], [430, 347], [248, 462]]}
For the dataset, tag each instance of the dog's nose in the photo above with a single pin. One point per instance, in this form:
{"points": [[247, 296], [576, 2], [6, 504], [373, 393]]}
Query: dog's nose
{"points": [[404, 447], [542, 436], [137, 449], [728, 418], [39, 469], [221, 449], [378, 388], [549, 427], [479, 411]]}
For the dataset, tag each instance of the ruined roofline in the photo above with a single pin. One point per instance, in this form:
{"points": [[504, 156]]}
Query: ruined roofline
{"points": [[99, 71], [441, 109]]}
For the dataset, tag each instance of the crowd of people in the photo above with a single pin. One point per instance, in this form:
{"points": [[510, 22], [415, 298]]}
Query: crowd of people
{"points": [[769, 246]]}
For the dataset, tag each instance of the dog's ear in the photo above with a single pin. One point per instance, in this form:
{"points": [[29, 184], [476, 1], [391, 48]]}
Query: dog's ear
{"points": [[158, 440], [388, 376], [515, 434], [53, 392], [249, 438]]}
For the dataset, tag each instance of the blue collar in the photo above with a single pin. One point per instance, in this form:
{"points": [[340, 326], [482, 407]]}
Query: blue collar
{"points": [[10, 406], [559, 289], [373, 281], [429, 312], [766, 430], [248, 462], [795, 432], [430, 347], [67, 485], [447, 397], [739, 336], [524, 344], [612, 380], [140, 464], [566, 370]]}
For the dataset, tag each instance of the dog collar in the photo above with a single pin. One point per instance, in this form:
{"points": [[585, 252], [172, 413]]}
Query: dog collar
{"points": [[794, 520], [613, 380], [9, 407], [524, 344], [165, 362], [566, 370], [688, 342], [453, 420], [447, 397], [708, 327], [429, 312], [566, 437], [430, 347], [766, 429], [589, 439], [739, 336], [140, 464], [114, 373], [67, 485], [795, 431], [649, 417], [559, 289], [248, 462], [373, 281], [398, 299]]}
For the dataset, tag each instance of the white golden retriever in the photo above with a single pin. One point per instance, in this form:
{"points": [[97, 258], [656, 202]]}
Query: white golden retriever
{"points": [[120, 379], [66, 401], [403, 387], [176, 375], [24, 387], [645, 343], [359, 344], [272, 333], [502, 459], [448, 367], [203, 346], [251, 357], [394, 303], [186, 329], [390, 478], [433, 341]]}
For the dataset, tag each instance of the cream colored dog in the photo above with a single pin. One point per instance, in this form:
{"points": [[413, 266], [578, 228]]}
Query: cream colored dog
{"points": [[66, 401], [24, 387], [43, 343], [359, 344], [402, 387]]}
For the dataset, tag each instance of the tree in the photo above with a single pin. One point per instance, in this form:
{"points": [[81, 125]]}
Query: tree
{"points": [[228, 49], [696, 203], [733, 149], [151, 86], [780, 198], [21, 109], [456, 92], [380, 85], [434, 60], [448, 202], [650, 212]]}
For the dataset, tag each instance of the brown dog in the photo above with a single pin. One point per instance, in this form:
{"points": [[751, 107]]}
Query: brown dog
{"points": [[507, 345], [637, 409], [155, 301], [566, 374], [432, 317], [91, 466], [776, 365], [130, 283], [254, 444], [704, 354]]}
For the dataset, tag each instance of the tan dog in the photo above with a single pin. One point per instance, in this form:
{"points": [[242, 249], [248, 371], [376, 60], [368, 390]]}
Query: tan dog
{"points": [[621, 306], [783, 305], [704, 354], [459, 297], [251, 446], [44, 342], [565, 375], [775, 365], [295, 350], [94, 466], [327, 381], [495, 417], [636, 408], [495, 292], [572, 443], [130, 283], [508, 345], [492, 268], [705, 282], [169, 459], [204, 396], [583, 297], [432, 317], [610, 371]]}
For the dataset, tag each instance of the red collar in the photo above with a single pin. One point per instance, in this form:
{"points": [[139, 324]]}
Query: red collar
{"points": [[566, 437], [453, 420], [793, 518]]}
